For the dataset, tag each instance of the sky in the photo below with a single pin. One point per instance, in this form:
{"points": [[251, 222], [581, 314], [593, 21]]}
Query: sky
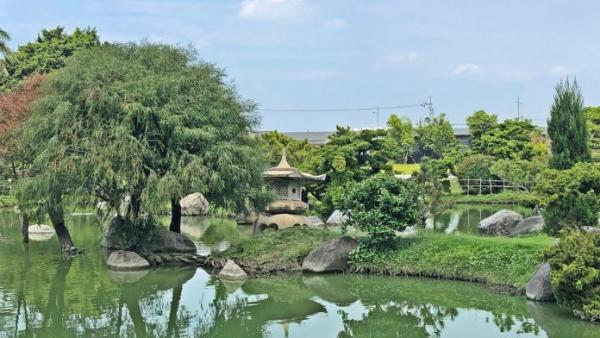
{"points": [[339, 55]]}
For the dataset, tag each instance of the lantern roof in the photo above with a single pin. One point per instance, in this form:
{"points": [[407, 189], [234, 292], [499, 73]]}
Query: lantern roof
{"points": [[283, 171]]}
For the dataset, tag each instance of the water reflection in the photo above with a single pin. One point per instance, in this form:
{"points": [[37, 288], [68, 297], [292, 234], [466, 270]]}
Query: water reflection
{"points": [[43, 295], [465, 218]]}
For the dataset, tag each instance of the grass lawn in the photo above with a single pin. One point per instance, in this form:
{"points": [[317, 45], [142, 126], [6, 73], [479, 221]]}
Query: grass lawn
{"points": [[496, 260], [281, 250], [406, 169]]}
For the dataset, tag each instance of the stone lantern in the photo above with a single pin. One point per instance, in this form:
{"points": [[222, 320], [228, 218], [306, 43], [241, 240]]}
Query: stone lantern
{"points": [[288, 209]]}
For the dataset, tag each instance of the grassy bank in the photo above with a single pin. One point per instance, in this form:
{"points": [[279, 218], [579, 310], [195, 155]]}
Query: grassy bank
{"points": [[277, 251], [503, 261], [507, 262], [406, 168], [522, 198], [7, 201]]}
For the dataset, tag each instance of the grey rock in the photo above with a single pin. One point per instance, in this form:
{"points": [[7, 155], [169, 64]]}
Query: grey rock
{"points": [[126, 260], [168, 241], [500, 223], [589, 229], [194, 205], [232, 271], [337, 218], [539, 287], [331, 256], [314, 221], [529, 225]]}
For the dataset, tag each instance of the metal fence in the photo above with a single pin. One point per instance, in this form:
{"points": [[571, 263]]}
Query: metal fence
{"points": [[491, 186]]}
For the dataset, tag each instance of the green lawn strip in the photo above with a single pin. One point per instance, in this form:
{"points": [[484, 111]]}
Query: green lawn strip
{"points": [[281, 250], [503, 261], [522, 198], [406, 168]]}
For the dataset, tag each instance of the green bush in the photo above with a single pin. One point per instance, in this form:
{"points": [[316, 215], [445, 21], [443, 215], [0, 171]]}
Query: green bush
{"points": [[573, 211], [381, 205], [575, 273], [570, 196], [475, 167]]}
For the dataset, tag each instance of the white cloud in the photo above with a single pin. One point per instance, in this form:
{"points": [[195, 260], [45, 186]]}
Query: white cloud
{"points": [[467, 69], [561, 70], [334, 24], [395, 59], [270, 9]]}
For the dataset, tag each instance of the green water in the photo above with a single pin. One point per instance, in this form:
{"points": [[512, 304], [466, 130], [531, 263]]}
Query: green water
{"points": [[43, 296], [465, 218]]}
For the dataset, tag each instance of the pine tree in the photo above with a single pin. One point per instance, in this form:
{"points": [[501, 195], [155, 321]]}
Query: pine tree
{"points": [[567, 127]]}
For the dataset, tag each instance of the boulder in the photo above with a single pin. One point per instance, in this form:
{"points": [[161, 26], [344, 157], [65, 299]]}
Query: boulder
{"points": [[126, 260], [232, 271], [539, 287], [194, 205], [331, 256], [314, 221], [169, 241], [500, 223], [529, 225], [117, 236], [337, 218]]}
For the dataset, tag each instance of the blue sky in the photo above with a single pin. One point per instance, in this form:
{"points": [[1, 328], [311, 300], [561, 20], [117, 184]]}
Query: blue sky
{"points": [[467, 55]]}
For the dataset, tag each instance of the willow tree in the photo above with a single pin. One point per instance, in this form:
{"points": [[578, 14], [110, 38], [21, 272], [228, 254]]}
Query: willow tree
{"points": [[146, 123], [567, 127]]}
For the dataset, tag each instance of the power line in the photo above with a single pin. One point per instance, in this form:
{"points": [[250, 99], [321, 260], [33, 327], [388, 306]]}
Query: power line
{"points": [[291, 110]]}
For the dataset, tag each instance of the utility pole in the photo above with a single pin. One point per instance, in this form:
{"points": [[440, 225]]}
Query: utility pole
{"points": [[377, 112], [429, 106], [519, 103]]}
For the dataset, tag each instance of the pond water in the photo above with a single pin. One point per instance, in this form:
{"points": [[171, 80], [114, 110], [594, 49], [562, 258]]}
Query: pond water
{"points": [[44, 296], [465, 218]]}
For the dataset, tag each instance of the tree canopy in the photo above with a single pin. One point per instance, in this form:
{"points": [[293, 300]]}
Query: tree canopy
{"points": [[511, 139], [435, 137], [48, 52], [592, 115], [567, 127], [400, 140], [480, 123], [145, 121]]}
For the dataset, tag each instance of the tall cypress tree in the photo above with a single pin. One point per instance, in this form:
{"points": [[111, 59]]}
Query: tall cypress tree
{"points": [[567, 127]]}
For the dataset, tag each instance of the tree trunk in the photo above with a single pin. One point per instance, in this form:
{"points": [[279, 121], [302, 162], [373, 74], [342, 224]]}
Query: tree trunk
{"points": [[57, 217], [24, 226], [175, 216], [172, 330]]}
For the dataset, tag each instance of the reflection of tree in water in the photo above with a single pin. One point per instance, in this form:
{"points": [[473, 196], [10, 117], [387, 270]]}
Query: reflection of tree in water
{"points": [[398, 320]]}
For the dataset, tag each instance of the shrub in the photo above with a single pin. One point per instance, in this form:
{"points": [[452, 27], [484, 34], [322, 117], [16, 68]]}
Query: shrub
{"points": [[570, 196], [475, 167], [381, 205], [573, 211], [520, 172], [576, 273]]}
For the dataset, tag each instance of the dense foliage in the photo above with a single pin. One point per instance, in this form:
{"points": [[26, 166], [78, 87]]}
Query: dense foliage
{"points": [[144, 121], [570, 196], [4, 50], [519, 172], [435, 137], [479, 124], [575, 273], [475, 167], [400, 138], [592, 115], [50, 51], [381, 205], [511, 139], [567, 127], [300, 154]]}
